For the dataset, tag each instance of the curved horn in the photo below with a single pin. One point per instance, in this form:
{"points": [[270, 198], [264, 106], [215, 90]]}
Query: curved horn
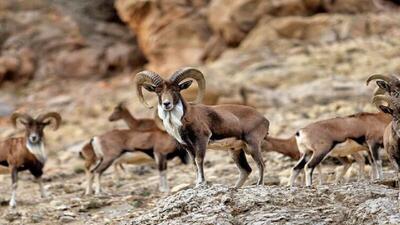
{"points": [[380, 98], [146, 77], [380, 77], [23, 116], [195, 74], [52, 115], [379, 91]]}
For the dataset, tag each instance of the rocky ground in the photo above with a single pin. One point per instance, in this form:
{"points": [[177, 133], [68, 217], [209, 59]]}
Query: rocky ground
{"points": [[298, 62]]}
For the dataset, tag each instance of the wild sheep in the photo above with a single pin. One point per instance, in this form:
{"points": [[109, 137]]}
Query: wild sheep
{"points": [[121, 112], [341, 151], [193, 125], [316, 140], [27, 153], [103, 150]]}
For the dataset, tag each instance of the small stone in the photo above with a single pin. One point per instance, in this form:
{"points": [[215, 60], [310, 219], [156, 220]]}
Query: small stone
{"points": [[56, 203], [93, 204], [66, 219], [69, 213], [137, 203], [35, 218], [12, 216], [70, 188], [62, 207], [180, 187]]}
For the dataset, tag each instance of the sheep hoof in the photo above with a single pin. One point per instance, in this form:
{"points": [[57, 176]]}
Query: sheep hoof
{"points": [[164, 189], [201, 184]]}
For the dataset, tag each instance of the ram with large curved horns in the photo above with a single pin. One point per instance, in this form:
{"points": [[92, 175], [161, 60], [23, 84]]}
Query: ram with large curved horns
{"points": [[27, 153], [194, 125]]}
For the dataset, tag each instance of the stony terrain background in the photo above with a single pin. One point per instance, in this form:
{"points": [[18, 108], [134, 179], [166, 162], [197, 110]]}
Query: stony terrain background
{"points": [[297, 61]]}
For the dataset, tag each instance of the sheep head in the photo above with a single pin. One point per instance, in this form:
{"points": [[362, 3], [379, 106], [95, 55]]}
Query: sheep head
{"points": [[34, 127], [119, 111], [168, 91]]}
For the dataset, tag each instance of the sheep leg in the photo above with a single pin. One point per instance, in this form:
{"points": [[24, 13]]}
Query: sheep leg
{"points": [[199, 160], [320, 174], [37, 173], [371, 163], [117, 173], [89, 182], [297, 169], [346, 165], [316, 158], [99, 171], [192, 158], [361, 165], [117, 170], [162, 169], [255, 152], [376, 161], [97, 181], [371, 174], [244, 168], [14, 183], [39, 180]]}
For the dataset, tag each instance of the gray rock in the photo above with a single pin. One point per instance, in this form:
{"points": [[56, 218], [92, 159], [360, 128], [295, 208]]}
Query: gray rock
{"points": [[66, 219], [327, 204]]}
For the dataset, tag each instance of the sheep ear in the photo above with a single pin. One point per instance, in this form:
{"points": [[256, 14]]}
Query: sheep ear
{"points": [[185, 85], [149, 87], [383, 85], [386, 109]]}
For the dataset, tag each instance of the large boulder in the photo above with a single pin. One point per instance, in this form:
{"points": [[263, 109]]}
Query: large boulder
{"points": [[170, 33]]}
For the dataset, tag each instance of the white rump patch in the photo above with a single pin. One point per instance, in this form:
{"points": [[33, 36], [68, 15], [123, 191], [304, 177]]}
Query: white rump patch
{"points": [[172, 120], [38, 150], [98, 150]]}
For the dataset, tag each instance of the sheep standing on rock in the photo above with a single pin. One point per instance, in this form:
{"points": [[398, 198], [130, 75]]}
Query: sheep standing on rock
{"points": [[194, 125]]}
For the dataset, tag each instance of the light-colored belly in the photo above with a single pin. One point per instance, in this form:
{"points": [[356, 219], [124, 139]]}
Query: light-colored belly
{"points": [[347, 148]]}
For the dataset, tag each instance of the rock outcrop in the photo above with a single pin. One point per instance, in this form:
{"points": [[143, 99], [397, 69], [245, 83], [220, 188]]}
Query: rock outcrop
{"points": [[217, 204], [47, 38]]}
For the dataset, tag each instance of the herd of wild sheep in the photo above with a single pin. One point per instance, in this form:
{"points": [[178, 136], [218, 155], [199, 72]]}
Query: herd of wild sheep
{"points": [[185, 130]]}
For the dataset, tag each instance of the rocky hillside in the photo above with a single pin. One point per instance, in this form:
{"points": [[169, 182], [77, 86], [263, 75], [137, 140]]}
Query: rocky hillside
{"points": [[296, 61]]}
